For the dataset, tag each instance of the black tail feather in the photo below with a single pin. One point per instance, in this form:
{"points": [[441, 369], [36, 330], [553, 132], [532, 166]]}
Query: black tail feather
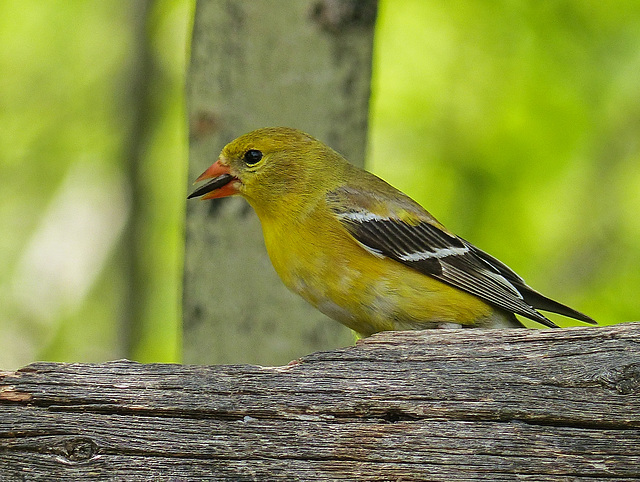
{"points": [[541, 302]]}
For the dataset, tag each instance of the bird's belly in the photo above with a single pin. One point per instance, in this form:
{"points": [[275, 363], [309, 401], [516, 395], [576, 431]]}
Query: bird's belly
{"points": [[370, 294]]}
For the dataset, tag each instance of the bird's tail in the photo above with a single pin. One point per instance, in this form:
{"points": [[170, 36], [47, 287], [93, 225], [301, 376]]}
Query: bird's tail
{"points": [[541, 302]]}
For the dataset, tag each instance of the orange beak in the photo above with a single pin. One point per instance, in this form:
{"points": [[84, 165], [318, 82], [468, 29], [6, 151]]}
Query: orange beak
{"points": [[221, 185]]}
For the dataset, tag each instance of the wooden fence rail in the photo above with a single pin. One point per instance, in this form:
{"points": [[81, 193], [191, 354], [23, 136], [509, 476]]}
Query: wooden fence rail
{"points": [[450, 405]]}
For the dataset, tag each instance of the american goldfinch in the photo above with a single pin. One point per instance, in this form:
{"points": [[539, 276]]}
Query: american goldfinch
{"points": [[359, 250]]}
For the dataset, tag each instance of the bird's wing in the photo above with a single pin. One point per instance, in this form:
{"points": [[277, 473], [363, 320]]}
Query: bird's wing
{"points": [[400, 229]]}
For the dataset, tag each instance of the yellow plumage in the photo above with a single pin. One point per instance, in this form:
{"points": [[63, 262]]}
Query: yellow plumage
{"points": [[358, 249]]}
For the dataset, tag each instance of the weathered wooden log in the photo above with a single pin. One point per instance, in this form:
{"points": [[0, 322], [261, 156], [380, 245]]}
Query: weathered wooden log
{"points": [[445, 405]]}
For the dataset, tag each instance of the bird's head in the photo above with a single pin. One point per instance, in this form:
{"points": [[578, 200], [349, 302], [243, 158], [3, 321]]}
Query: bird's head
{"points": [[271, 166]]}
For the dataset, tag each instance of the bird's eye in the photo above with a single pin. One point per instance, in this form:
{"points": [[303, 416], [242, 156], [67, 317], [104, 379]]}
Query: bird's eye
{"points": [[252, 156]]}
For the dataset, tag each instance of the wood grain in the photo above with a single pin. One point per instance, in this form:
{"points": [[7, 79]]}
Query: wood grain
{"points": [[449, 405]]}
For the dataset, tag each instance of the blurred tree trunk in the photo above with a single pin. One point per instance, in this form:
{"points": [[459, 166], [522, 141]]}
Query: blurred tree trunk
{"points": [[303, 64], [135, 267], [151, 309]]}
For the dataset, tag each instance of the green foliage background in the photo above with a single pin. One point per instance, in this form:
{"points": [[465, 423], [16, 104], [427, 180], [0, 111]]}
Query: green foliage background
{"points": [[517, 124]]}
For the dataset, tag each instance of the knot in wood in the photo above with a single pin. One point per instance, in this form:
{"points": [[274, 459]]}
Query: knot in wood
{"points": [[624, 379], [77, 449]]}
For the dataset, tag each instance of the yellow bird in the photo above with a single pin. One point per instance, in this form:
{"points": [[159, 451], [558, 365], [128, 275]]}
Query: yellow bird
{"points": [[361, 251]]}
